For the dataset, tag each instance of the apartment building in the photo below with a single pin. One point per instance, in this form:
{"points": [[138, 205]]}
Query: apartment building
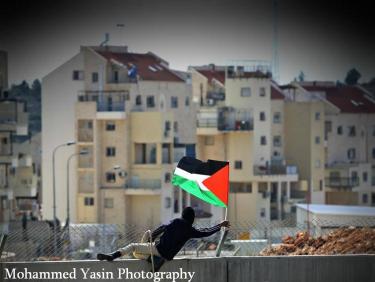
{"points": [[241, 119], [349, 138], [133, 117], [18, 172]]}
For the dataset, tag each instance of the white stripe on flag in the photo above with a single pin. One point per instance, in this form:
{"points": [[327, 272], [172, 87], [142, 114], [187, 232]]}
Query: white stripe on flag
{"points": [[199, 178]]}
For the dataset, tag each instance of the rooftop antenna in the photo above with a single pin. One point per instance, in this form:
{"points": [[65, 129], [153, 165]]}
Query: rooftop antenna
{"points": [[275, 55], [106, 40]]}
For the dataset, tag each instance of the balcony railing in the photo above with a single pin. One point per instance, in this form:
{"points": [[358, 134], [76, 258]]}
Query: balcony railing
{"points": [[106, 101], [341, 182], [275, 170], [225, 119], [144, 183], [207, 122]]}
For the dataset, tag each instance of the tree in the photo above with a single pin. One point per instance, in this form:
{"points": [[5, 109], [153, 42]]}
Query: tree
{"points": [[301, 76], [352, 77]]}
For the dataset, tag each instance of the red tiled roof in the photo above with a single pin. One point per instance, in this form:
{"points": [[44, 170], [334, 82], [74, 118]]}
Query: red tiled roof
{"points": [[213, 74], [349, 99], [142, 62], [276, 94]]}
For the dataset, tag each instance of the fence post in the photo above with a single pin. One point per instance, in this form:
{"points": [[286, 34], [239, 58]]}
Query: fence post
{"points": [[3, 238]]}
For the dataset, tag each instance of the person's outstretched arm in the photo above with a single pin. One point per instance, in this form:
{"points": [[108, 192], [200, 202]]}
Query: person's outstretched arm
{"points": [[157, 232], [205, 232]]}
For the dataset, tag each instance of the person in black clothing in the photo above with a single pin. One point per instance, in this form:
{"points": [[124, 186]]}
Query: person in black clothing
{"points": [[173, 237]]}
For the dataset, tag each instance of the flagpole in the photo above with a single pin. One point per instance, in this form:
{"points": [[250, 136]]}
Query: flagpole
{"points": [[226, 230]]}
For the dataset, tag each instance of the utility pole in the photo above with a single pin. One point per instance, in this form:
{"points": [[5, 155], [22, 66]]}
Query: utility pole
{"points": [[275, 42]]}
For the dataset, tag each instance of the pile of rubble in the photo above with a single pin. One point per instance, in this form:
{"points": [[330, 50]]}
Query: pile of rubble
{"points": [[341, 241]]}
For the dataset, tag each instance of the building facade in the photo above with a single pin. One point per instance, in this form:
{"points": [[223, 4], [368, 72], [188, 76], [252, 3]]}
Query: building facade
{"points": [[349, 153], [134, 117], [240, 120]]}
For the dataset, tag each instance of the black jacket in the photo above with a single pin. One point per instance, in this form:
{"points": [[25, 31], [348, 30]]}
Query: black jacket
{"points": [[176, 234]]}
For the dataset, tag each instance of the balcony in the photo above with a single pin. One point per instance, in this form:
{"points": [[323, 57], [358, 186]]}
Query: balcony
{"points": [[225, 119], [85, 135], [275, 170], [212, 98], [342, 182], [137, 183], [106, 101]]}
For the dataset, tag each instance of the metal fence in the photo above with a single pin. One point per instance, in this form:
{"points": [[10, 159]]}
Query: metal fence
{"points": [[84, 241]]}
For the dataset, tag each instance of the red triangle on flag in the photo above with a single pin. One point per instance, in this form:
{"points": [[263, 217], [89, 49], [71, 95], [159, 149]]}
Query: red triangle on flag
{"points": [[218, 183]]}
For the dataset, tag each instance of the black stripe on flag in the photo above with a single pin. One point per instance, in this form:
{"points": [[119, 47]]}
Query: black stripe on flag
{"points": [[193, 165]]}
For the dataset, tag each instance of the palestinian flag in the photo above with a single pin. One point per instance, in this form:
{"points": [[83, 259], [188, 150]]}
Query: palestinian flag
{"points": [[207, 181]]}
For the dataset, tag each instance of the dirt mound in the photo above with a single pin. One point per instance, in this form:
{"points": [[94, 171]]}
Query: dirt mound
{"points": [[341, 241]]}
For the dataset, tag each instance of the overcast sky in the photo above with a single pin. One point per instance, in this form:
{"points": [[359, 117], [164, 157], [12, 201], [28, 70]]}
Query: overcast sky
{"points": [[324, 40]]}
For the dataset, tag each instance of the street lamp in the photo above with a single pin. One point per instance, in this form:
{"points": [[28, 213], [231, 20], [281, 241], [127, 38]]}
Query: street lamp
{"points": [[81, 153], [54, 190]]}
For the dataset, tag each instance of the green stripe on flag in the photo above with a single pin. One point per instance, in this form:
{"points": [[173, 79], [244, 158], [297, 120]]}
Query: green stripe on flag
{"points": [[193, 188]]}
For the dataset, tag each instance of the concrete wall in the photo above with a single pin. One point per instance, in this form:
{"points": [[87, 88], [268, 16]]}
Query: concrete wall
{"points": [[359, 268]]}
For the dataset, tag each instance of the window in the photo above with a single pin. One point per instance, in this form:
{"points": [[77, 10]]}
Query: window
{"points": [[277, 141], [352, 131], [89, 124], [115, 76], [167, 177], [89, 201], [248, 188], [317, 116], [108, 203], [262, 91], [4, 141], [150, 101], [187, 101], [317, 164], [94, 77], [339, 130], [262, 116], [351, 154], [209, 140], [373, 153], [320, 185], [373, 130], [262, 212], [328, 126], [277, 117], [145, 153], [245, 92], [263, 140], [111, 177], [364, 176], [317, 140], [167, 125], [111, 151], [364, 198], [110, 126], [174, 102], [237, 164], [175, 126], [138, 100], [77, 75]]}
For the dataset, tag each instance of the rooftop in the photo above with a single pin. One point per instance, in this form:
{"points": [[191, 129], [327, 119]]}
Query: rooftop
{"points": [[349, 99], [339, 210], [149, 66]]}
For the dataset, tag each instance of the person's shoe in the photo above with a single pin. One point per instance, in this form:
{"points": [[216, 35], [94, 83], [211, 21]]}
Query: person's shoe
{"points": [[109, 257]]}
